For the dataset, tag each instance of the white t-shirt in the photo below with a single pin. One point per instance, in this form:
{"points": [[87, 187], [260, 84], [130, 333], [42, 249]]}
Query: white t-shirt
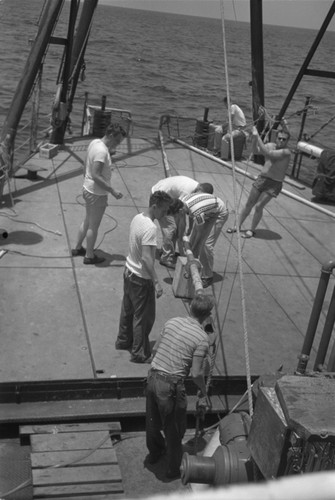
{"points": [[97, 151], [143, 231], [177, 186], [237, 116]]}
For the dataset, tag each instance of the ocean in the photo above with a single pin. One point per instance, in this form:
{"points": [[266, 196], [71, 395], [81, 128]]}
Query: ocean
{"points": [[153, 63]]}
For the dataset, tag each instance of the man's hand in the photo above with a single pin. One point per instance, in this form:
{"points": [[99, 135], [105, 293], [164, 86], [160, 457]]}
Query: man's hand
{"points": [[203, 405], [159, 290]]}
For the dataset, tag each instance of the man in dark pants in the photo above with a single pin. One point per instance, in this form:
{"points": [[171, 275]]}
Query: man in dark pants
{"points": [[181, 350], [140, 282]]}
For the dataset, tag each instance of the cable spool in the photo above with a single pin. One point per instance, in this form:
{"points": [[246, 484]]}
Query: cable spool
{"points": [[200, 137], [101, 119]]}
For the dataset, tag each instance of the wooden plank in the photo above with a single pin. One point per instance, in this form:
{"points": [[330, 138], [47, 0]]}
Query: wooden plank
{"points": [[100, 491], [308, 404], [73, 458], [82, 427], [93, 496], [77, 475], [70, 441]]}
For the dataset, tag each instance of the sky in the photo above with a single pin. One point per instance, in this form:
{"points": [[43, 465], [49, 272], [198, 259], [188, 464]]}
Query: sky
{"points": [[299, 13]]}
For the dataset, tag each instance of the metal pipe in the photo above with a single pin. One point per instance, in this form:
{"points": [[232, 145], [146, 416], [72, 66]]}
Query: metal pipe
{"points": [[302, 126], [194, 265], [251, 176], [326, 271], [257, 62]]}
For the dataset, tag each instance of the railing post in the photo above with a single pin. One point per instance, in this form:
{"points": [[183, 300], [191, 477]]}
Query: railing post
{"points": [[326, 335], [326, 271], [302, 126]]}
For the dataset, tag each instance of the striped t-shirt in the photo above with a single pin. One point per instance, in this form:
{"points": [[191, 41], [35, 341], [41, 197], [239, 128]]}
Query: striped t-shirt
{"points": [[182, 338], [203, 206]]}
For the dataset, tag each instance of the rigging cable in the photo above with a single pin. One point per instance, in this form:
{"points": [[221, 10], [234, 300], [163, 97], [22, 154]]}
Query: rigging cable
{"points": [[239, 249]]}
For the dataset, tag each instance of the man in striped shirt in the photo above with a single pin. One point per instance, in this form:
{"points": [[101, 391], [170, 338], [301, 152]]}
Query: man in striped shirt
{"points": [[207, 214], [181, 350], [177, 186]]}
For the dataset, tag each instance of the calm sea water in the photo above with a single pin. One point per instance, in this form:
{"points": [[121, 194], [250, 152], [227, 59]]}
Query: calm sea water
{"points": [[153, 63]]}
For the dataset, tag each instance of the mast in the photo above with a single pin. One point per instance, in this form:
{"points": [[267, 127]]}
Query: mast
{"points": [[76, 45], [257, 62], [46, 26]]}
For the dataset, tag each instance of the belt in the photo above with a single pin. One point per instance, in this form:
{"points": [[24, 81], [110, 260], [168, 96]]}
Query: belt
{"points": [[132, 276], [167, 377]]}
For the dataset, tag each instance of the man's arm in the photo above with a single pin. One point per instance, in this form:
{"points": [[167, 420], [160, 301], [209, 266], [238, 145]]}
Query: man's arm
{"points": [[197, 373], [148, 259], [100, 181], [268, 150]]}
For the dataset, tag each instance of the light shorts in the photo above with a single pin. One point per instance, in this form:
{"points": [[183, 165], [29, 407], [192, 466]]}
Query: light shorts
{"points": [[267, 185], [95, 200]]}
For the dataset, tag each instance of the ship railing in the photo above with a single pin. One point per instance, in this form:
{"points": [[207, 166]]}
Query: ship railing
{"points": [[97, 118]]}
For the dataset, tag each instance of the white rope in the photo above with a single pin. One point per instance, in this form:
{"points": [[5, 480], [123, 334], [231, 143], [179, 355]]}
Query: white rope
{"points": [[236, 204]]}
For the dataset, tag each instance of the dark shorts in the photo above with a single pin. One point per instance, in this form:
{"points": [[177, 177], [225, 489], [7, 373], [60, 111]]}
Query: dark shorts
{"points": [[94, 200], [267, 185]]}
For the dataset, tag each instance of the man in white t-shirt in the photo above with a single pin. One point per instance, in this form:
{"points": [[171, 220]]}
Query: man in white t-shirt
{"points": [[238, 122], [177, 186], [140, 281], [96, 187]]}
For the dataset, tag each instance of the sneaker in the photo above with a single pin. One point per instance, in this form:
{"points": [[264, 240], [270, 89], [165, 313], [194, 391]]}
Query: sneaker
{"points": [[206, 282], [167, 263], [75, 252], [93, 260]]}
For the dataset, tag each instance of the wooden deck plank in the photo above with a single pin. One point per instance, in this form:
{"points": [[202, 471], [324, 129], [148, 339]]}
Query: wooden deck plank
{"points": [[74, 458], [70, 441], [100, 491], [75, 427], [94, 474]]}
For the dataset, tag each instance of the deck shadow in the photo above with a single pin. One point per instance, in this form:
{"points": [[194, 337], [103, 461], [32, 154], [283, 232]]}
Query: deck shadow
{"points": [[109, 258], [22, 238], [267, 234]]}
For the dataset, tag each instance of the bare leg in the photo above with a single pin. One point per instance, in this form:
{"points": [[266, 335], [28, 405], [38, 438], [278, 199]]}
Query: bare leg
{"points": [[254, 195], [258, 213], [82, 233], [94, 216]]}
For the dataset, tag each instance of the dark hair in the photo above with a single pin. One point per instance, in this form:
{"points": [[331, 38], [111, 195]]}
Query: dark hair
{"points": [[283, 131], [201, 306], [115, 129], [175, 206], [206, 187], [158, 198]]}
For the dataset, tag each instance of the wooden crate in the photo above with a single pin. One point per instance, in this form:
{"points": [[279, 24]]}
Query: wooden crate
{"points": [[74, 461]]}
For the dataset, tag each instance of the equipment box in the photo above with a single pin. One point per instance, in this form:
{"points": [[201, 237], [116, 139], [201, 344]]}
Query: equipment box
{"points": [[48, 151]]}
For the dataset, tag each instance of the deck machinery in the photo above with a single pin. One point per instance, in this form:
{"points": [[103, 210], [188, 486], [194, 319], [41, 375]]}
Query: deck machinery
{"points": [[292, 430]]}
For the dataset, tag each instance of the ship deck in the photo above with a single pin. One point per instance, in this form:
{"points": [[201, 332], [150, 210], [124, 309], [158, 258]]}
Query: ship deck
{"points": [[59, 318]]}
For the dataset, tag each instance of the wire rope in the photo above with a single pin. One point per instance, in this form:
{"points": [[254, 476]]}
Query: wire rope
{"points": [[239, 245]]}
